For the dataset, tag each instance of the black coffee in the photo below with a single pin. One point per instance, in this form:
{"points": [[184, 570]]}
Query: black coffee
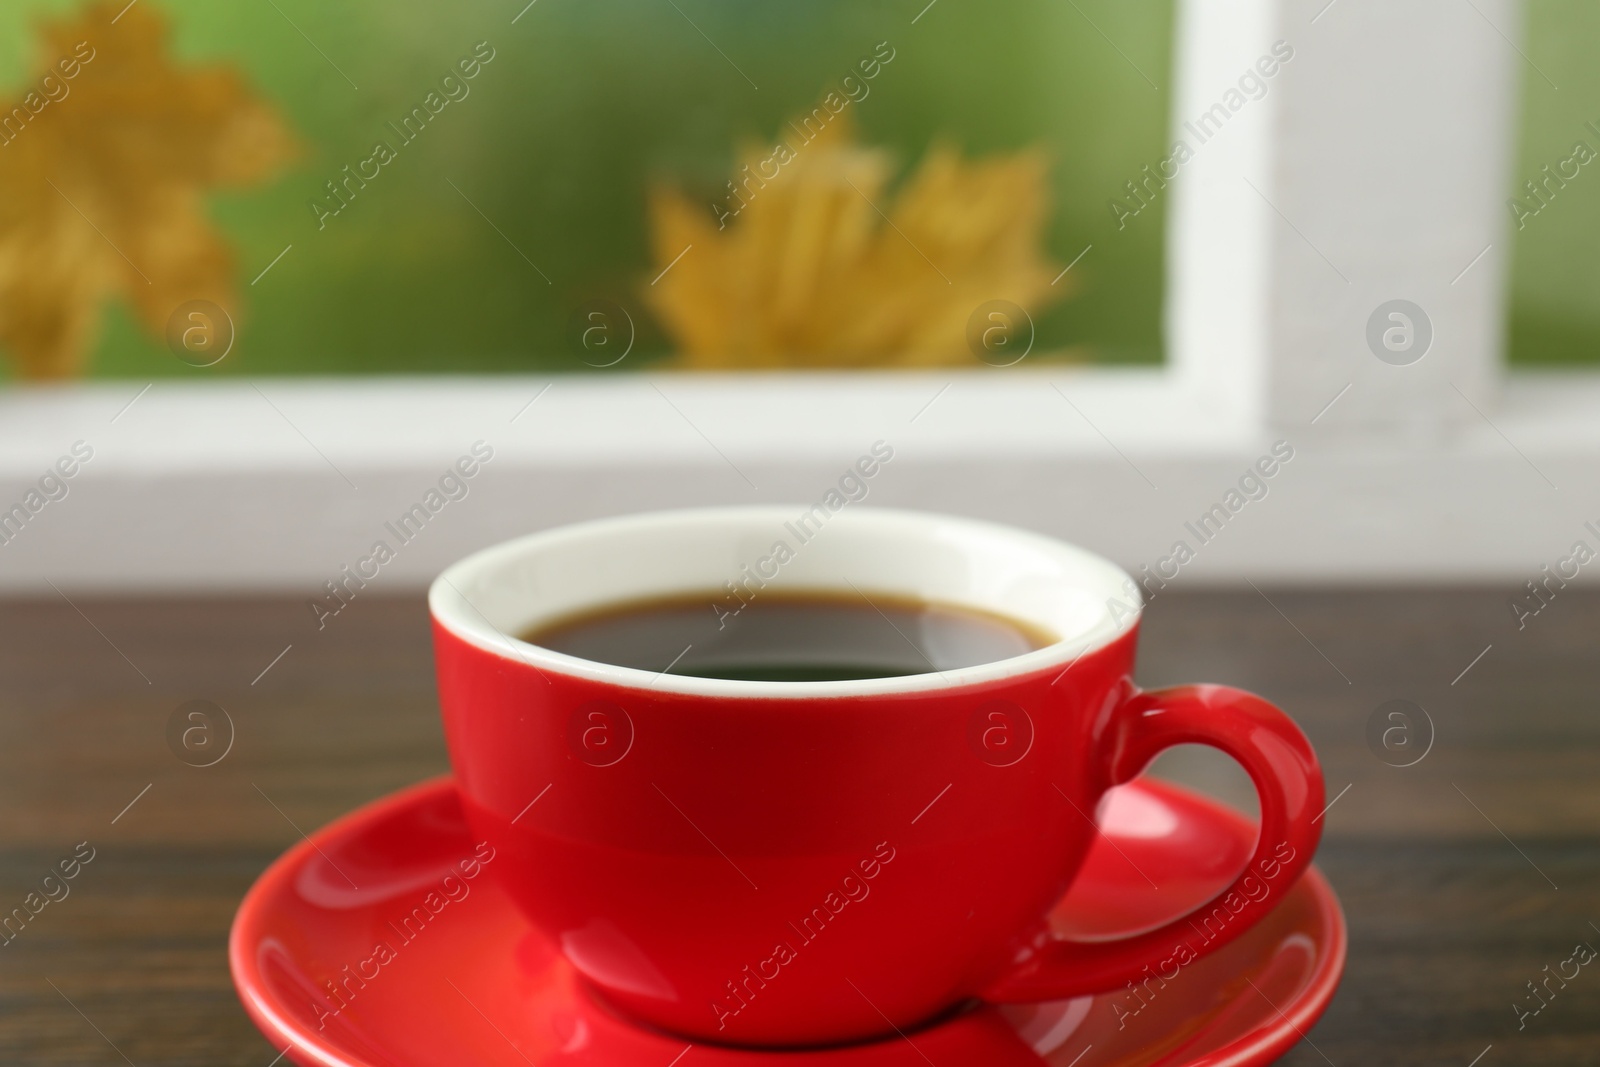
{"points": [[790, 637]]}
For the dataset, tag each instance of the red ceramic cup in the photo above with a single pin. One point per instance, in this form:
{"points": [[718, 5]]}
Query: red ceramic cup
{"points": [[807, 863]]}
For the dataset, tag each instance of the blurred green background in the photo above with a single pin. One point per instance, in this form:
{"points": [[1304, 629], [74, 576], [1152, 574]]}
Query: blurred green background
{"points": [[584, 106], [1555, 259]]}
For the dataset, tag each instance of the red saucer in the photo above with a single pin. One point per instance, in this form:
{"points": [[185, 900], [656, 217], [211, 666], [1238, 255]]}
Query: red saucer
{"points": [[329, 967]]}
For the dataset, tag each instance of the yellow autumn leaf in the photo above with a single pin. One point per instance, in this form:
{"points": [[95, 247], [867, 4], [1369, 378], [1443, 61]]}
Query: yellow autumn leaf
{"points": [[813, 262], [105, 159]]}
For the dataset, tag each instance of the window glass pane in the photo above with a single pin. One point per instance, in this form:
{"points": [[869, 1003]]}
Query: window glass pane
{"points": [[1555, 199], [397, 186]]}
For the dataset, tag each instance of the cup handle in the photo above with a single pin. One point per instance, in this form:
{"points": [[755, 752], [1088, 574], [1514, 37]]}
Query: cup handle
{"points": [[1279, 760]]}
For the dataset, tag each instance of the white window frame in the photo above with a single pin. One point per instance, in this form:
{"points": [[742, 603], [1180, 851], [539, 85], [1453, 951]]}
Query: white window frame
{"points": [[1375, 168]]}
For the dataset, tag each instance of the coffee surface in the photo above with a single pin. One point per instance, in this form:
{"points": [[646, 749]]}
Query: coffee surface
{"points": [[790, 636]]}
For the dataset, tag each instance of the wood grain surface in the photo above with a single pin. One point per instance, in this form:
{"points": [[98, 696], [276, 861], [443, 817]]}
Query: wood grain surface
{"points": [[1462, 876]]}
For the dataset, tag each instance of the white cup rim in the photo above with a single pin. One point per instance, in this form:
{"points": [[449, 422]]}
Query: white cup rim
{"points": [[485, 597]]}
